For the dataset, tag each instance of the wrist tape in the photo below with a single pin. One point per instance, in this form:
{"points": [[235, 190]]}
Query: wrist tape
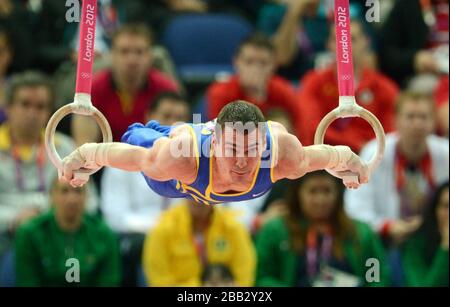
{"points": [[339, 157], [95, 155]]}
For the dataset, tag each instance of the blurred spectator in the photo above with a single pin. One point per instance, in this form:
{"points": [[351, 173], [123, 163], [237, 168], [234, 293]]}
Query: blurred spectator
{"points": [[254, 81], [414, 163], [316, 243], [298, 32], [6, 56], [57, 37], [373, 91], [191, 236], [410, 36], [425, 253], [195, 6], [46, 245], [217, 275], [15, 19], [441, 98], [124, 92], [26, 172], [132, 214]]}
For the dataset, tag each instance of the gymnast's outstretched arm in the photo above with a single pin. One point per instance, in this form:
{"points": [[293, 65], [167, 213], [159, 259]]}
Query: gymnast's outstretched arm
{"points": [[157, 162], [295, 160]]}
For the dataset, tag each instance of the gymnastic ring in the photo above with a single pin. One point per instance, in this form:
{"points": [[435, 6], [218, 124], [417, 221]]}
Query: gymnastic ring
{"points": [[82, 174], [351, 109]]}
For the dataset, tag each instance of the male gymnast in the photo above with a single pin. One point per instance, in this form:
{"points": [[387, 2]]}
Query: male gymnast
{"points": [[236, 157]]}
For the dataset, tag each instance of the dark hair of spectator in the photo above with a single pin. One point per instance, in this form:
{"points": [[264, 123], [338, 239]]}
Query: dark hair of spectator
{"points": [[430, 227], [5, 35], [172, 96], [341, 224], [29, 79], [258, 40], [136, 29], [413, 96]]}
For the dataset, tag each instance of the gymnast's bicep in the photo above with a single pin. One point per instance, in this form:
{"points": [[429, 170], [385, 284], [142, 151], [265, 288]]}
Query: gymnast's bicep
{"points": [[172, 158]]}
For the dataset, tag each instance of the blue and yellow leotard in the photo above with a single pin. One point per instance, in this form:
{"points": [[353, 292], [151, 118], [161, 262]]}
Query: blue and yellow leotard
{"points": [[201, 189]]}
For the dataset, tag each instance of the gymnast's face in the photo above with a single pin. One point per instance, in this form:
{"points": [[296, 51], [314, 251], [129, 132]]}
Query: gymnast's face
{"points": [[318, 197], [238, 153]]}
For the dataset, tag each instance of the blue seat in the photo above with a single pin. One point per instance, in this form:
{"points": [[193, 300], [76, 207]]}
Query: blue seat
{"points": [[203, 45], [7, 269], [201, 107]]}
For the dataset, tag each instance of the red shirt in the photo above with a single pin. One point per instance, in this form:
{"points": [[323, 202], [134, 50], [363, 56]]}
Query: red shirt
{"points": [[119, 112], [441, 99], [439, 31], [441, 92], [319, 95], [280, 94]]}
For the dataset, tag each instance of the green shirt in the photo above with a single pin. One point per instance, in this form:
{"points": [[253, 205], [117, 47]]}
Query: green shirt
{"points": [[43, 253], [278, 264], [419, 273]]}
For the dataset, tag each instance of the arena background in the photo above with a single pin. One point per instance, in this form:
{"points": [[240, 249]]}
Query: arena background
{"points": [[169, 59]]}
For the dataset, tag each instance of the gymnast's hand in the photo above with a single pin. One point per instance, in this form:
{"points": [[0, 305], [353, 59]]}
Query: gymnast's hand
{"points": [[83, 158], [348, 161]]}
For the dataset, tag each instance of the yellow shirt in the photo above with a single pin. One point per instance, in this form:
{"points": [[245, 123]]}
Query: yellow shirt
{"points": [[171, 259], [25, 152]]}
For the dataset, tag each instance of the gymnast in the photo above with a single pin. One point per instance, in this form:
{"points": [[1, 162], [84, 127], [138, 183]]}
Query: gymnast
{"points": [[236, 157]]}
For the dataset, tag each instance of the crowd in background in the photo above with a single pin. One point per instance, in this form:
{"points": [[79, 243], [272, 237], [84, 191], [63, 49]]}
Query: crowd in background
{"points": [[165, 60]]}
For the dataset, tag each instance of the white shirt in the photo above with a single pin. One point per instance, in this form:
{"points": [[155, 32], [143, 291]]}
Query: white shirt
{"points": [[128, 203], [378, 200]]}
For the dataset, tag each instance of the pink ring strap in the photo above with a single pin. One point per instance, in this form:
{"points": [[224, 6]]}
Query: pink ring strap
{"points": [[344, 54], [86, 45]]}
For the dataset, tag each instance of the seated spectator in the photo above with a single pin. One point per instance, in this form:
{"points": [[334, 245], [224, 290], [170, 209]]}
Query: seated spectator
{"points": [[124, 92], [57, 29], [63, 239], [410, 36], [319, 95], [15, 19], [132, 214], [441, 98], [298, 31], [425, 253], [217, 275], [26, 172], [288, 247], [254, 81], [6, 56], [196, 6], [191, 236], [414, 163]]}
